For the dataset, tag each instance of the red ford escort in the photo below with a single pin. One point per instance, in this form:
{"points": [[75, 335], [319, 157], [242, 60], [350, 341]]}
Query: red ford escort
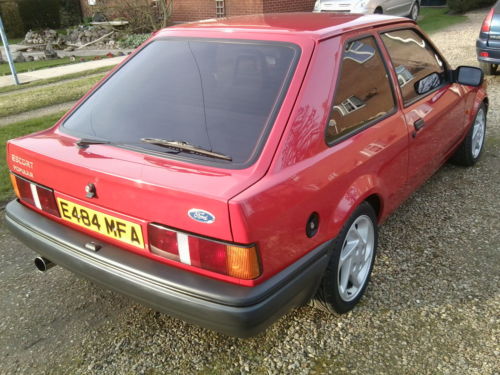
{"points": [[230, 170]]}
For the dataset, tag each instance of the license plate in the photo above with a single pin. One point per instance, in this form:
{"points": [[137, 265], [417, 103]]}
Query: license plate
{"points": [[96, 221]]}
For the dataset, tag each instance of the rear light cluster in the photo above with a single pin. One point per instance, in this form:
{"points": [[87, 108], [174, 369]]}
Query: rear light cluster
{"points": [[227, 259], [35, 195], [486, 26]]}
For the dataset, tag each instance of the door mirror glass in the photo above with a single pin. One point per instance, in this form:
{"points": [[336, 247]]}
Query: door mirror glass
{"points": [[427, 83], [469, 75]]}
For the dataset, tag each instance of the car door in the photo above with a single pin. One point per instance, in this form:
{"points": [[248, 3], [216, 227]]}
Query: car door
{"points": [[397, 7], [433, 108]]}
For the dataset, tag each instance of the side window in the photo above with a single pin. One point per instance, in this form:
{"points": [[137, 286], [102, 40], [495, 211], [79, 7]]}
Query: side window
{"points": [[363, 92], [418, 67]]}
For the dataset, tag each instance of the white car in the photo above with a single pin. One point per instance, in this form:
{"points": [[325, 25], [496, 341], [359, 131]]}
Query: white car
{"points": [[405, 8]]}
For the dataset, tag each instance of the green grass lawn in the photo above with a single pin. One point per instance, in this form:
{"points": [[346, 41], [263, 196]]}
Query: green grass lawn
{"points": [[12, 41], [41, 82], [35, 65], [434, 19], [20, 102], [13, 131]]}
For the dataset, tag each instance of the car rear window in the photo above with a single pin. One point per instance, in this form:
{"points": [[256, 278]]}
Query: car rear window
{"points": [[221, 96]]}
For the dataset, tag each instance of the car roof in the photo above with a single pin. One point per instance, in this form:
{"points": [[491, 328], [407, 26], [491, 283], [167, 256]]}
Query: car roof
{"points": [[315, 25]]}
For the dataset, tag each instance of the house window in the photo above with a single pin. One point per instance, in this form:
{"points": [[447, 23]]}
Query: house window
{"points": [[220, 8]]}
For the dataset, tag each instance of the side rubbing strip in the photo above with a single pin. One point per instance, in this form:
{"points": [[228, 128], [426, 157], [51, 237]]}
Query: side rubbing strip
{"points": [[183, 246], [34, 192]]}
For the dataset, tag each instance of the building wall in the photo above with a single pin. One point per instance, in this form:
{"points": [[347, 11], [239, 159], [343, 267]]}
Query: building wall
{"points": [[280, 6], [192, 10]]}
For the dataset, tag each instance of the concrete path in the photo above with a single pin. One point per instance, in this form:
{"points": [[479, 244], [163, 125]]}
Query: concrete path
{"points": [[60, 70]]}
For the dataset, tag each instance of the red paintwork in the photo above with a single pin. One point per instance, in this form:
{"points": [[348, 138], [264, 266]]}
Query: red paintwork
{"points": [[296, 174]]}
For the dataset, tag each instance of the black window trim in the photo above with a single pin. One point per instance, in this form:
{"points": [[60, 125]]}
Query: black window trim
{"points": [[260, 141], [446, 72], [371, 122]]}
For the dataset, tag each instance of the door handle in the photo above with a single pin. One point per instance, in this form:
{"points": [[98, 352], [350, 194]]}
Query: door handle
{"points": [[419, 124]]}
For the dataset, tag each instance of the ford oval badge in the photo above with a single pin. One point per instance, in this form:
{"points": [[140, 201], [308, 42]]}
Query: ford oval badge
{"points": [[201, 215]]}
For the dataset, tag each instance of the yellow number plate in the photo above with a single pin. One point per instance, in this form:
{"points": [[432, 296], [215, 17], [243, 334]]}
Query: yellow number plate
{"points": [[96, 221]]}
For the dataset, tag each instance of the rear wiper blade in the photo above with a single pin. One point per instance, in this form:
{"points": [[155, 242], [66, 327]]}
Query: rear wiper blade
{"points": [[187, 147], [86, 142]]}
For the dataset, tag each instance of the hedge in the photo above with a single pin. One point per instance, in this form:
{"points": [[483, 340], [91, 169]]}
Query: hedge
{"points": [[461, 6], [40, 14]]}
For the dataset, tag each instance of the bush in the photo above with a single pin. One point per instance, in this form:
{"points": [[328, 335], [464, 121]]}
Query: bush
{"points": [[11, 18], [461, 6], [70, 12], [40, 14], [133, 40]]}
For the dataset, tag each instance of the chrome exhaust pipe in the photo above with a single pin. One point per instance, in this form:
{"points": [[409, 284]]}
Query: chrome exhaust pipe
{"points": [[43, 264]]}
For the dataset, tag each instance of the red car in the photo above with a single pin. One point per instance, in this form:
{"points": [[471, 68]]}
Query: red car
{"points": [[230, 170]]}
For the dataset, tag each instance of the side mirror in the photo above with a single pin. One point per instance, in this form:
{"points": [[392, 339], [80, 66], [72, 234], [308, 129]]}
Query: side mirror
{"points": [[427, 83], [468, 75]]}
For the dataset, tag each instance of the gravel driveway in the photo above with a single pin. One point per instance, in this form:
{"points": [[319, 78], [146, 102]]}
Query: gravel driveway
{"points": [[432, 306]]}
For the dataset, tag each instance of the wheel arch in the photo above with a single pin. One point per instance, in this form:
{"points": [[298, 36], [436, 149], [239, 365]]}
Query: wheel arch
{"points": [[365, 188]]}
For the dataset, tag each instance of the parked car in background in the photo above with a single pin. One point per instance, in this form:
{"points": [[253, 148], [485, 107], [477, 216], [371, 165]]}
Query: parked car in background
{"points": [[488, 43], [404, 8], [229, 170]]}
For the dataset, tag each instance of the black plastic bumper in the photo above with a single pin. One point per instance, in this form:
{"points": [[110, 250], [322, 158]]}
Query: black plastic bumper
{"points": [[227, 308], [493, 53]]}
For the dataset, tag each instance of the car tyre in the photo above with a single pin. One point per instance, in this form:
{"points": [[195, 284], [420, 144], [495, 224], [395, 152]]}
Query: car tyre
{"points": [[414, 11], [351, 262], [378, 11], [471, 148], [487, 68]]}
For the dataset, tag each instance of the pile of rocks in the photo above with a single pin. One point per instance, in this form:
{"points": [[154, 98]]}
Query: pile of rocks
{"points": [[41, 37], [76, 37], [82, 35]]}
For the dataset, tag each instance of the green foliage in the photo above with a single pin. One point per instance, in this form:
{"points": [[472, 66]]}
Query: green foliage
{"points": [[434, 19], [133, 40], [461, 6], [40, 14], [70, 12], [35, 65], [13, 24]]}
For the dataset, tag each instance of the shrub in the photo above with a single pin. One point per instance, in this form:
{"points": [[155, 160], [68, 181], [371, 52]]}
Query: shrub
{"points": [[40, 14], [461, 6], [133, 40], [11, 18], [70, 12]]}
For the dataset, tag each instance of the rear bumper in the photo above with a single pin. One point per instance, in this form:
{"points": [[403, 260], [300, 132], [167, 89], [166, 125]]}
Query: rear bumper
{"points": [[493, 53], [227, 308]]}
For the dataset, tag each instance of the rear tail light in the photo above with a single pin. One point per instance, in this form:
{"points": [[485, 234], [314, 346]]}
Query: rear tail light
{"points": [[35, 195], [241, 262], [485, 28], [484, 54]]}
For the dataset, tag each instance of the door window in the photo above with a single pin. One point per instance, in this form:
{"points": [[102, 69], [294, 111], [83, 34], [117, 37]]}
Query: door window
{"points": [[363, 94], [418, 67]]}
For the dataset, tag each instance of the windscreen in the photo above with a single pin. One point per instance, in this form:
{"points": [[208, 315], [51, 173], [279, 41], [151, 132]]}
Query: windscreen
{"points": [[217, 95]]}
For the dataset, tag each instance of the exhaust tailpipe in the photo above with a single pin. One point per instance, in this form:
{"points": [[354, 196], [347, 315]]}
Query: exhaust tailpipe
{"points": [[43, 264]]}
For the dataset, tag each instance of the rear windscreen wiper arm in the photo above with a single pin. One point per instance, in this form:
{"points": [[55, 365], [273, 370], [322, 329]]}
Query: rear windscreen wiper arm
{"points": [[86, 142], [184, 146]]}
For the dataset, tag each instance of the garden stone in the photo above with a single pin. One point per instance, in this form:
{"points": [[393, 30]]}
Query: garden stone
{"points": [[18, 57], [49, 52]]}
